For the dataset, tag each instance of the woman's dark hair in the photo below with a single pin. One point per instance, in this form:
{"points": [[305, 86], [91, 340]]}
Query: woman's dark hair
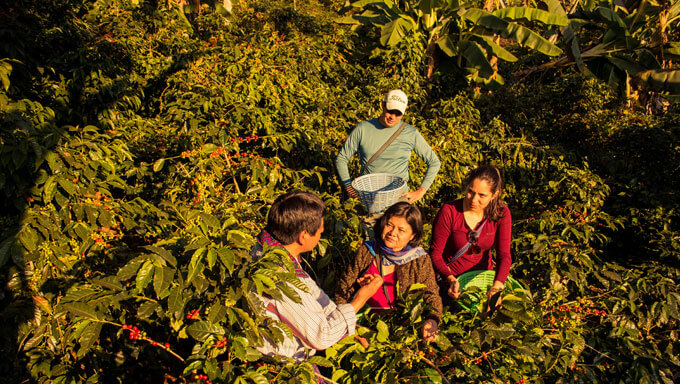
{"points": [[294, 212], [409, 212], [490, 174]]}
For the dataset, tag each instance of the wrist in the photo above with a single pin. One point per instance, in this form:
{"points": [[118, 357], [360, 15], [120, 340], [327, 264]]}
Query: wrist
{"points": [[357, 304], [432, 318], [493, 290]]}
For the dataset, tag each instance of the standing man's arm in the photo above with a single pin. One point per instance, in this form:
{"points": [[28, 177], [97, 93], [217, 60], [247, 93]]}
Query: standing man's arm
{"points": [[349, 148], [423, 149]]}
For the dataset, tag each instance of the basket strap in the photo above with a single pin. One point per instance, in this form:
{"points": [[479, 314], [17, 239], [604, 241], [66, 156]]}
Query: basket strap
{"points": [[384, 146], [380, 268]]}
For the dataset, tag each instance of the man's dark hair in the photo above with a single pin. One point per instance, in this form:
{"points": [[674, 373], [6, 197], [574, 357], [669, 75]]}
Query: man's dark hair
{"points": [[409, 212], [294, 212]]}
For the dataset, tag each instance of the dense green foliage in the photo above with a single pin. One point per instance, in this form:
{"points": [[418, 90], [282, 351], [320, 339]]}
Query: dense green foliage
{"points": [[140, 150]]}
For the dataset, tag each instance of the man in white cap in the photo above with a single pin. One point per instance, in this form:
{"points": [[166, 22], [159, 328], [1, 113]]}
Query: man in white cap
{"points": [[368, 137]]}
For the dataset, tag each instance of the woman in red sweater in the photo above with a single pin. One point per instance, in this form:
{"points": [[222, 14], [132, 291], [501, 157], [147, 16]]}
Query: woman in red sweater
{"points": [[466, 229]]}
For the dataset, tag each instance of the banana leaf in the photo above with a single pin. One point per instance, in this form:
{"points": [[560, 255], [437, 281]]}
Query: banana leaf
{"points": [[625, 65], [613, 20], [485, 19], [672, 49], [673, 12], [475, 57], [605, 71], [638, 18], [448, 46], [647, 59], [367, 17], [384, 4], [555, 7], [394, 31], [571, 41], [522, 35], [612, 77], [428, 6], [496, 49], [474, 76], [588, 5], [530, 39], [531, 15], [568, 33], [662, 80]]}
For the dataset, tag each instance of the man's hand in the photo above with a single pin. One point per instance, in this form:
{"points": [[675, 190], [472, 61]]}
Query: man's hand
{"points": [[454, 287], [367, 279], [416, 195], [430, 330], [351, 192], [369, 286], [362, 341]]}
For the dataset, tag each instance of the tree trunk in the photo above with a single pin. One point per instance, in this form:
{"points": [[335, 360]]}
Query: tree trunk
{"points": [[195, 4], [432, 54], [227, 5]]}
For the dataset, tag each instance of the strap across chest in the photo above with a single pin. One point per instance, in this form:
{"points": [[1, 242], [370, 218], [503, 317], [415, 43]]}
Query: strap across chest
{"points": [[384, 146]]}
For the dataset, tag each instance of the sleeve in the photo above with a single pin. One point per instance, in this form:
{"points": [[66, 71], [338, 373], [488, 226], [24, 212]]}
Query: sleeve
{"points": [[431, 297], [349, 148], [423, 149], [441, 231], [346, 285], [503, 239], [317, 326]]}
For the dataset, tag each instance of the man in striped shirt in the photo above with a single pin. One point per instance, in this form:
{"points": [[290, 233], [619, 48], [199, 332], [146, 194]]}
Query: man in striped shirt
{"points": [[295, 223]]}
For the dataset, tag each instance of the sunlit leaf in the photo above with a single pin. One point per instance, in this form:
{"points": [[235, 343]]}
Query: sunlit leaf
{"points": [[144, 275], [201, 330], [89, 337], [394, 31], [475, 57], [662, 80], [383, 331], [530, 15], [81, 309]]}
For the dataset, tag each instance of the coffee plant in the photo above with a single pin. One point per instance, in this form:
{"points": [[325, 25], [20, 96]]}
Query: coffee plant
{"points": [[142, 143]]}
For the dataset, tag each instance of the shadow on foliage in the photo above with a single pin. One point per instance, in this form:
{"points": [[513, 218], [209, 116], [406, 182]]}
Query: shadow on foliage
{"points": [[289, 20], [636, 155], [21, 149], [63, 73]]}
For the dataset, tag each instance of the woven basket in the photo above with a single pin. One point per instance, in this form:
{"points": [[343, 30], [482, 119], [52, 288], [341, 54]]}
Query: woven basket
{"points": [[482, 280], [378, 191]]}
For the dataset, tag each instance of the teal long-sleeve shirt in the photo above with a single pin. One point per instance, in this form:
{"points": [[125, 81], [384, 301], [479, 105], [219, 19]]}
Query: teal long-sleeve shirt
{"points": [[368, 136]]}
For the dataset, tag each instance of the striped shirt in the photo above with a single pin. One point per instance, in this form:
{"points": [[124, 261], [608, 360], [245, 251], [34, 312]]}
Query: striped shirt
{"points": [[316, 323]]}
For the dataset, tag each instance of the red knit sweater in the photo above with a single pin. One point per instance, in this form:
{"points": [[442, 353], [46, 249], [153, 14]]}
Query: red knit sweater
{"points": [[449, 234]]}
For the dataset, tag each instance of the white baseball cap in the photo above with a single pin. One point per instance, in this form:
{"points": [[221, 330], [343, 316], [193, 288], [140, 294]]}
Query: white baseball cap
{"points": [[396, 99]]}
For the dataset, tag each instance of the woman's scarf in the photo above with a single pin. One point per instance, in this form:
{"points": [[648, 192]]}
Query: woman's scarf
{"points": [[390, 257]]}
